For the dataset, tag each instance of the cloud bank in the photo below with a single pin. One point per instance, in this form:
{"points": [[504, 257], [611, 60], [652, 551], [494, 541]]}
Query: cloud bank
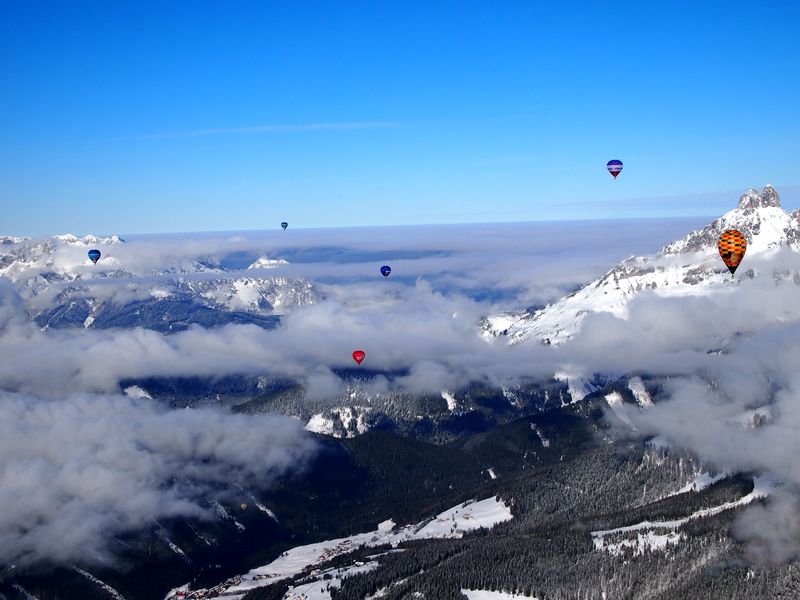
{"points": [[77, 471], [730, 357]]}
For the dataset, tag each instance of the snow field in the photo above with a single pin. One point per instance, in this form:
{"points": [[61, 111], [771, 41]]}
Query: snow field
{"points": [[646, 531], [487, 595], [452, 523]]}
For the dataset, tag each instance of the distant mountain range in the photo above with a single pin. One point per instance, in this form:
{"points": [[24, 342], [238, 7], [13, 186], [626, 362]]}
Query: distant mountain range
{"points": [[64, 289], [687, 266]]}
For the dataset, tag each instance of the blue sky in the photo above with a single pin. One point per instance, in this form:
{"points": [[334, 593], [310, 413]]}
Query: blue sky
{"points": [[171, 116]]}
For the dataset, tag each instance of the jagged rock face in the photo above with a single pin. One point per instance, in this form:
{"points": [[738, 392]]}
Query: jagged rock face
{"points": [[752, 199], [62, 287], [793, 235], [255, 294], [689, 265]]}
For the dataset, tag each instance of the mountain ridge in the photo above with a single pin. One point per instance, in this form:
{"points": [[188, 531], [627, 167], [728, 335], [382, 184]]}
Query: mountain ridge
{"points": [[62, 288], [690, 265]]}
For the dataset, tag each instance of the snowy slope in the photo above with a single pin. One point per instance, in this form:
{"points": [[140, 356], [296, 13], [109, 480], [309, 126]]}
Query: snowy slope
{"points": [[688, 266], [640, 393], [618, 406], [489, 595], [110, 591], [701, 481], [660, 534], [343, 421], [452, 523], [318, 588]]}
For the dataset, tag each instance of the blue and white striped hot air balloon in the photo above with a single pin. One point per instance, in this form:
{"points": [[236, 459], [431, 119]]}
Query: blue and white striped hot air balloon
{"points": [[614, 167]]}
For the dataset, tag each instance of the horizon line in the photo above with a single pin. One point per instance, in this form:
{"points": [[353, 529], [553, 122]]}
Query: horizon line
{"points": [[395, 225]]}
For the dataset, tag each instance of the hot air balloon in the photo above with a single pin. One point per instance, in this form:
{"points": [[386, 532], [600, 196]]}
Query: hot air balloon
{"points": [[614, 167], [284, 225], [732, 246], [359, 355], [386, 270], [243, 506], [94, 255]]}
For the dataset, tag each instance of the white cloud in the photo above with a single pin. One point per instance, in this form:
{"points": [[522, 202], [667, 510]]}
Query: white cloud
{"points": [[76, 471]]}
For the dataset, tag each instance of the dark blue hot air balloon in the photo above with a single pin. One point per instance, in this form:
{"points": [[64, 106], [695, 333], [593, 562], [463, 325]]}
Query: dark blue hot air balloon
{"points": [[385, 270], [94, 255], [284, 225], [614, 167]]}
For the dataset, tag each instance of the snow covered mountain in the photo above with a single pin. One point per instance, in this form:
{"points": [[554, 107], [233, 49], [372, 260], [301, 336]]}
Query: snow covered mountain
{"points": [[687, 266], [6, 240], [141, 288], [268, 263]]}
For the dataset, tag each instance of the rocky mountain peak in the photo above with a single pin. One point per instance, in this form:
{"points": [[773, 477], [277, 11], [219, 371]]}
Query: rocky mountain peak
{"points": [[268, 263], [753, 199], [759, 216]]}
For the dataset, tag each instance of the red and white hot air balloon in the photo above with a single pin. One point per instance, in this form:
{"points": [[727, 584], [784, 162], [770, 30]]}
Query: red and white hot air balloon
{"points": [[614, 167], [359, 355]]}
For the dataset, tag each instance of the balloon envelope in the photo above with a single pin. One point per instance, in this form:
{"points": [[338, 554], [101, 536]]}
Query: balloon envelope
{"points": [[732, 246], [284, 225], [614, 167], [385, 270], [94, 255], [359, 355]]}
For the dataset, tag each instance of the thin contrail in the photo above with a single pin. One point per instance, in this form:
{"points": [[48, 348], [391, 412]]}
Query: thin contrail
{"points": [[278, 129]]}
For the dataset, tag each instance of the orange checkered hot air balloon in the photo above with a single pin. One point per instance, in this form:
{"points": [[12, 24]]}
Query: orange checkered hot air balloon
{"points": [[732, 246]]}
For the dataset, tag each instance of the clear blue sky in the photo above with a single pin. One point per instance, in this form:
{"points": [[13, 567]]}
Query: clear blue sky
{"points": [[187, 116]]}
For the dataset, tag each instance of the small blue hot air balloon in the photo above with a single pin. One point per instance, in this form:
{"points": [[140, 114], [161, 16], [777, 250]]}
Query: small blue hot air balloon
{"points": [[94, 255], [284, 225], [614, 167], [386, 270]]}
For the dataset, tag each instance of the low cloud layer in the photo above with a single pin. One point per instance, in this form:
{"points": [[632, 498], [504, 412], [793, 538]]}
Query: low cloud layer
{"points": [[524, 263], [743, 416], [77, 471]]}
